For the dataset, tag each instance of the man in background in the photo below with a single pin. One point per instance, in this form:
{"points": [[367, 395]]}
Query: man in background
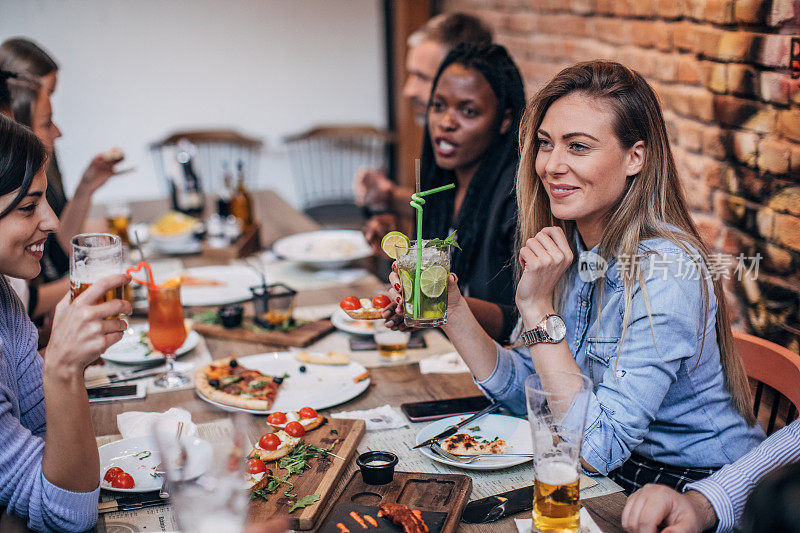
{"points": [[427, 48]]}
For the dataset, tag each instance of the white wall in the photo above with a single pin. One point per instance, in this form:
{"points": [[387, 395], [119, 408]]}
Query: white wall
{"points": [[133, 71]]}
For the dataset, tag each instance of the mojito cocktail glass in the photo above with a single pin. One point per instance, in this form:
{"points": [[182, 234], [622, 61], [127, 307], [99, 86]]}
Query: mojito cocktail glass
{"points": [[429, 309]]}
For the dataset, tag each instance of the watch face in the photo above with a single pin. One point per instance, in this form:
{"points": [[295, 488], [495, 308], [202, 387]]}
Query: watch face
{"points": [[556, 328]]}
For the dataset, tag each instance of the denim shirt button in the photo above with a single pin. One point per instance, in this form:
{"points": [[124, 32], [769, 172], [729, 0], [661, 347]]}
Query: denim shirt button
{"points": [[584, 303]]}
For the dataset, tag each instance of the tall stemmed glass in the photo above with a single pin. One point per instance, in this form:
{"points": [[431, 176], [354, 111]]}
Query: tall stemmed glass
{"points": [[167, 330]]}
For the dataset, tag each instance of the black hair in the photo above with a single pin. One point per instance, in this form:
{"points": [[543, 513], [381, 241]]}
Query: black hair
{"points": [[773, 505], [502, 155], [24, 56], [22, 156], [5, 92]]}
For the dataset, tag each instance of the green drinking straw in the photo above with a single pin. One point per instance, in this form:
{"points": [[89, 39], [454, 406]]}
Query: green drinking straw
{"points": [[417, 202]]}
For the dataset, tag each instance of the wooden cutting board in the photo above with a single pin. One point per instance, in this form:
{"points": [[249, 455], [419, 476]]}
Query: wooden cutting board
{"points": [[440, 497], [300, 337], [321, 478]]}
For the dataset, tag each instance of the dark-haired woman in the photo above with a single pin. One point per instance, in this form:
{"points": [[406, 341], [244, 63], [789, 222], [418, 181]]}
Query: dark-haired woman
{"points": [[471, 140], [49, 467], [36, 80]]}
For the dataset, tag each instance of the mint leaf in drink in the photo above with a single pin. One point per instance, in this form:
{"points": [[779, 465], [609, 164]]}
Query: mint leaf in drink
{"points": [[305, 501], [439, 243]]}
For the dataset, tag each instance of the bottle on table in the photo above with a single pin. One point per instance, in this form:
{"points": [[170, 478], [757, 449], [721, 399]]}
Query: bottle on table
{"points": [[188, 196], [241, 201], [226, 194]]}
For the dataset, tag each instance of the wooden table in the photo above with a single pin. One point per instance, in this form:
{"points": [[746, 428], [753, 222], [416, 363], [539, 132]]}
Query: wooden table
{"points": [[392, 385]]}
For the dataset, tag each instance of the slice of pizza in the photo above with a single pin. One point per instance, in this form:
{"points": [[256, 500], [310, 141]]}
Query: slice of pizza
{"points": [[463, 444], [229, 383], [257, 475], [307, 417], [273, 446], [364, 308]]}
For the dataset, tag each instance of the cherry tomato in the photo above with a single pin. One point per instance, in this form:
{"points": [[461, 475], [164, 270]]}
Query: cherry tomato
{"points": [[276, 418], [111, 473], [350, 303], [307, 412], [295, 429], [381, 301], [256, 466], [269, 441], [123, 481]]}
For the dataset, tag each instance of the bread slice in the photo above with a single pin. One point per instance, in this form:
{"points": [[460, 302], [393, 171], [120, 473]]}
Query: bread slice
{"points": [[330, 358], [307, 423], [364, 313], [287, 445]]}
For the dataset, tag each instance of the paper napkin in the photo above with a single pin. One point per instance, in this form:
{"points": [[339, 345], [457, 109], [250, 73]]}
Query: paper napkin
{"points": [[588, 525], [384, 417], [140, 424], [448, 363]]}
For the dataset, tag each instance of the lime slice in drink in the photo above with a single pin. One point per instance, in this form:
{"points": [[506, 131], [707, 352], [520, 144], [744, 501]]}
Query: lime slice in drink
{"points": [[408, 285], [392, 241], [433, 281]]}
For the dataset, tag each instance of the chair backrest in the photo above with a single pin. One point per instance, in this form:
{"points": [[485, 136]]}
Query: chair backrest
{"points": [[774, 367], [324, 160], [213, 147]]}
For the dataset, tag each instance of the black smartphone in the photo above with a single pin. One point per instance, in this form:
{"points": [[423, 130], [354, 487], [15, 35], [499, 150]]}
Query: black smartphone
{"points": [[110, 393], [436, 409]]}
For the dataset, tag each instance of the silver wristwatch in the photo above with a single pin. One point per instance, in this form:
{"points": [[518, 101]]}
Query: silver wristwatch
{"points": [[551, 329]]}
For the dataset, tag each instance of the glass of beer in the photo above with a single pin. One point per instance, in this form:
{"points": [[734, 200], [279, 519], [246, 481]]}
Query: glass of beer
{"points": [[391, 344], [95, 256], [557, 406], [167, 330], [118, 217]]}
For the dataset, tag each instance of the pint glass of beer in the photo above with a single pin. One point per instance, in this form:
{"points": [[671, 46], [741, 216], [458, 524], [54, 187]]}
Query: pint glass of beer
{"points": [[557, 406], [95, 256]]}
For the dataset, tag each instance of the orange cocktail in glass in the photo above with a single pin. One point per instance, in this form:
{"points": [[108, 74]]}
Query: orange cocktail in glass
{"points": [[167, 331]]}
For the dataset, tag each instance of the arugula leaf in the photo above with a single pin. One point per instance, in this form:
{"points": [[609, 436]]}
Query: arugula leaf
{"points": [[207, 317], [334, 432], [272, 486], [305, 501], [474, 428], [439, 243]]}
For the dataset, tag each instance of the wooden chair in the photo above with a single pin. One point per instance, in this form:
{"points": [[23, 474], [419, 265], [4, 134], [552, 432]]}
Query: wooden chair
{"points": [[772, 367], [324, 160], [213, 147]]}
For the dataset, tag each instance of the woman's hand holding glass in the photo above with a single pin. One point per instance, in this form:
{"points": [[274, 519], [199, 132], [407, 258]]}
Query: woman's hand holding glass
{"points": [[84, 329], [393, 314], [544, 259]]}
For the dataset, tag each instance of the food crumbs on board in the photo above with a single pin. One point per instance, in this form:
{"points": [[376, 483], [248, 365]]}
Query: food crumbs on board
{"points": [[358, 519], [342, 528], [371, 520]]}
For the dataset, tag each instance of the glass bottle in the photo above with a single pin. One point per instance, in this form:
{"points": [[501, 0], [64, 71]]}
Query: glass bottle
{"points": [[241, 201], [188, 197]]}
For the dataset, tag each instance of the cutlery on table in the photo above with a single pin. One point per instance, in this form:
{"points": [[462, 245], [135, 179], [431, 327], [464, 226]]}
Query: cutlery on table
{"points": [[160, 472], [453, 429], [125, 375], [467, 459]]}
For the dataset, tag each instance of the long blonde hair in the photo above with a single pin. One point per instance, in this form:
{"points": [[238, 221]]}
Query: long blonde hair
{"points": [[652, 205]]}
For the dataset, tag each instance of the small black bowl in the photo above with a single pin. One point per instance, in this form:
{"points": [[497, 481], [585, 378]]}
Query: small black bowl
{"points": [[230, 315], [379, 473]]}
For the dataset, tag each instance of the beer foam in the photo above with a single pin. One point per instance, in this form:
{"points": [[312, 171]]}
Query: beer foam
{"points": [[556, 473], [89, 273]]}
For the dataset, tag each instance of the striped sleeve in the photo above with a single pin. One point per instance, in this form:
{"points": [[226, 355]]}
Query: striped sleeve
{"points": [[728, 489]]}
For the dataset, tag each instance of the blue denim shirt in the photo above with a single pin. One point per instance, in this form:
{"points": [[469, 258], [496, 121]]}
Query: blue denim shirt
{"points": [[661, 392]]}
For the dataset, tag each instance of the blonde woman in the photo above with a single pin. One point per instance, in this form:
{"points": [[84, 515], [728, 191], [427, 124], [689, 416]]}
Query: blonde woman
{"points": [[597, 180]]}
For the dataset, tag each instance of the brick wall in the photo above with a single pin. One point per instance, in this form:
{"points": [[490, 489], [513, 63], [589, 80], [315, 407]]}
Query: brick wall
{"points": [[721, 69]]}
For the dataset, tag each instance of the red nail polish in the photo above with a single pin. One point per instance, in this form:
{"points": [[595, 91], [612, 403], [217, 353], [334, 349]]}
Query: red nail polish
{"points": [[394, 267], [398, 299], [397, 286]]}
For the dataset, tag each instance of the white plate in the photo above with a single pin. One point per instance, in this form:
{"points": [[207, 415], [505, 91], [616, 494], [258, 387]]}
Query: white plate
{"points": [[319, 387], [515, 431], [120, 453], [237, 280], [324, 249], [357, 327], [129, 351]]}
